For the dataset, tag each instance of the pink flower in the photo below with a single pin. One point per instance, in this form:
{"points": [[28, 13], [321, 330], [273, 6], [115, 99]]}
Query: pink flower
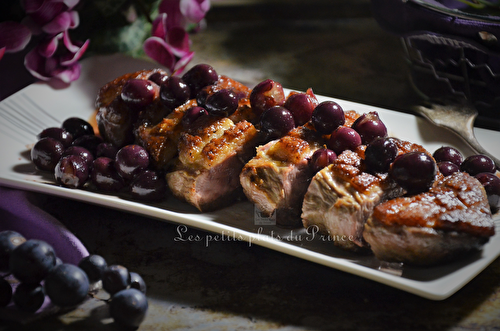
{"points": [[168, 46], [183, 12], [13, 36], [51, 16], [56, 58]]}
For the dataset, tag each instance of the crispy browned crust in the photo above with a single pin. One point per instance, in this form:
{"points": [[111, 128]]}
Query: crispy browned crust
{"points": [[455, 203]]}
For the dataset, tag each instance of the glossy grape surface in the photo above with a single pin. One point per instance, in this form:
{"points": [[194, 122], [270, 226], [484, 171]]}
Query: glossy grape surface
{"points": [[369, 126], [199, 76], [59, 134], [130, 160], [491, 184], [192, 114], [321, 158], [71, 171], [414, 171], [115, 278], [106, 149], [221, 103], [128, 307], [276, 121], [31, 261], [139, 93], [82, 152], [450, 154], [104, 175], [301, 105], [93, 265], [265, 95], [447, 168], [67, 285], [5, 292], [342, 139], [137, 282], [9, 240], [46, 153], [89, 142], [327, 117], [174, 92], [158, 78], [380, 153], [148, 185], [29, 297], [476, 164], [77, 127]]}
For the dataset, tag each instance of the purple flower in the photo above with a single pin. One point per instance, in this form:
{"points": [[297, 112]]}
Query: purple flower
{"points": [[50, 16], [56, 58], [182, 12], [13, 36], [168, 46]]}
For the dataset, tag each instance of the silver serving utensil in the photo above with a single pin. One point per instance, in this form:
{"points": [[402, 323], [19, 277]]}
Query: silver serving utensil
{"points": [[459, 119]]}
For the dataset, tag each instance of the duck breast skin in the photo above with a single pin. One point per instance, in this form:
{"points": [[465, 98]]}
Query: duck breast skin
{"points": [[449, 220], [342, 196]]}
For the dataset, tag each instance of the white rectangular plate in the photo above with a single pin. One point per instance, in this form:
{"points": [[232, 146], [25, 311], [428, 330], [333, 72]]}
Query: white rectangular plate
{"points": [[38, 106]]}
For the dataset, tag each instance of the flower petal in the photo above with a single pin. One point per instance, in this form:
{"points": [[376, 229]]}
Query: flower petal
{"points": [[157, 49], [48, 12], [14, 36], [194, 10], [71, 58], [60, 23], [159, 28], [174, 15], [36, 64], [183, 62], [31, 6], [178, 38], [68, 74], [48, 47], [2, 52]]}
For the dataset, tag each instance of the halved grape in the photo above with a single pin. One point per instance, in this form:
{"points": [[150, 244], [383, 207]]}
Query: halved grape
{"points": [[67, 285], [139, 93], [148, 185], [192, 114], [380, 153], [29, 297], [491, 184], [369, 126], [9, 240], [115, 278], [321, 158], [93, 265], [128, 307], [77, 127], [71, 171], [301, 105], [414, 171], [221, 103], [174, 92], [476, 164], [46, 153], [327, 117], [59, 134], [31, 261], [275, 122], [104, 175], [343, 138], [265, 95], [199, 76], [130, 160], [447, 168], [447, 153]]}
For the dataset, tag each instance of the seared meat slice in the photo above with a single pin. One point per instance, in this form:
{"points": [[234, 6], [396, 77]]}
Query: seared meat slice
{"points": [[342, 196], [211, 156], [276, 179], [451, 219], [161, 138]]}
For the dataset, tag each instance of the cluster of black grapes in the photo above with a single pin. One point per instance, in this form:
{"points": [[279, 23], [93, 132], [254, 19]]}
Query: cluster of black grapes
{"points": [[76, 156], [40, 273]]}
